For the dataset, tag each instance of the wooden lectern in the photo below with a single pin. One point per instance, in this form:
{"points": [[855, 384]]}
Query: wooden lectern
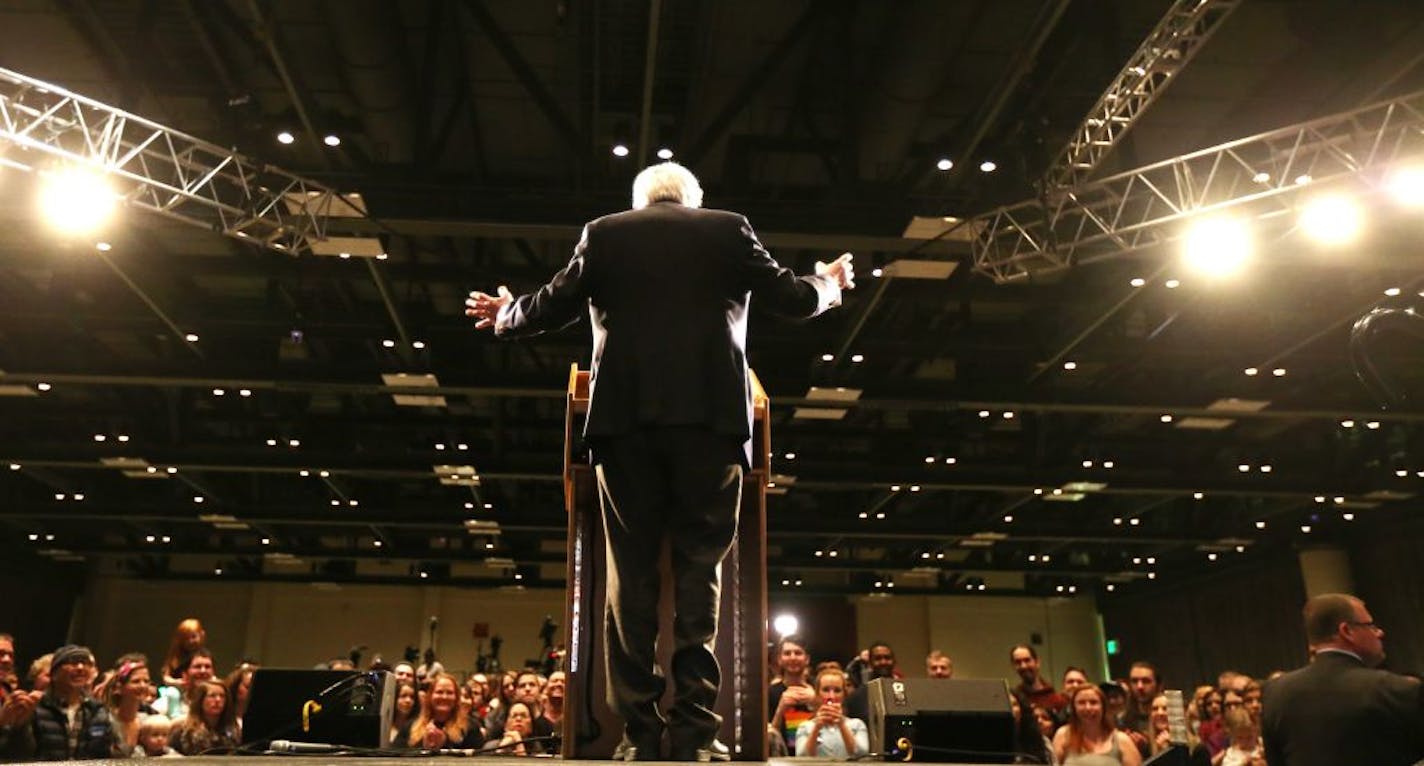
{"points": [[590, 729]]}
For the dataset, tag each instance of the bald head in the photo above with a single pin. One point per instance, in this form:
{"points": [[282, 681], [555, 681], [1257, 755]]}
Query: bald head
{"points": [[1324, 613]]}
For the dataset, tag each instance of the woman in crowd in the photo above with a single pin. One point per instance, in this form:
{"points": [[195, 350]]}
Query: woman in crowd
{"points": [[1212, 730], [211, 724], [188, 636], [127, 691], [830, 733], [239, 689], [1160, 734], [1090, 738], [518, 729], [1031, 743], [442, 723], [406, 710]]}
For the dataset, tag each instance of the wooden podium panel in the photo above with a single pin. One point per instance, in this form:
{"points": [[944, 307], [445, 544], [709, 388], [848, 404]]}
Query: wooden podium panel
{"points": [[590, 729]]}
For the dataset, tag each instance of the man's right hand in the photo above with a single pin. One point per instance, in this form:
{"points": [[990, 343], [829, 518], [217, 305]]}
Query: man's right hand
{"points": [[799, 694], [841, 269]]}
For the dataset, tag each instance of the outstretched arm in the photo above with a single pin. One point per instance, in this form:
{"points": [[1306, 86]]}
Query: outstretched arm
{"points": [[485, 307]]}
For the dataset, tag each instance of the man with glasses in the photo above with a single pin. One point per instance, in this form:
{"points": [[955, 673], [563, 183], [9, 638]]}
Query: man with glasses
{"points": [[62, 723], [1341, 708]]}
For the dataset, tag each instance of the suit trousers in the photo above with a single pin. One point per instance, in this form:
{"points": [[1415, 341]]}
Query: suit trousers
{"points": [[682, 484]]}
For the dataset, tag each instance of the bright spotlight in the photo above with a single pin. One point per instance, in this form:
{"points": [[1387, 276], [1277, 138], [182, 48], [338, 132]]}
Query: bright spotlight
{"points": [[286, 137], [1332, 220], [76, 200], [944, 163], [1218, 247], [664, 153], [620, 150], [332, 140], [785, 624], [1407, 186]]}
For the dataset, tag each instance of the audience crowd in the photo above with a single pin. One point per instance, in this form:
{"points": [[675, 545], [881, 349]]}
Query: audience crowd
{"points": [[67, 708]]}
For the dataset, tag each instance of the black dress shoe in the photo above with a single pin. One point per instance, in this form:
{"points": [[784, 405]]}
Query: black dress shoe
{"points": [[714, 751]]}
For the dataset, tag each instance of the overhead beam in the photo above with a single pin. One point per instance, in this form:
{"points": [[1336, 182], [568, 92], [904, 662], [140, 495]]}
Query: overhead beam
{"points": [[576, 143], [1262, 175], [1181, 33]]}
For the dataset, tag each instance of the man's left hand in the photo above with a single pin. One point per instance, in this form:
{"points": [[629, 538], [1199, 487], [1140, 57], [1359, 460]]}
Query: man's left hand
{"points": [[485, 307]]}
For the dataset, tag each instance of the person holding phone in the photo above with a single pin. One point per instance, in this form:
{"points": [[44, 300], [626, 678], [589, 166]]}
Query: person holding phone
{"points": [[831, 733]]}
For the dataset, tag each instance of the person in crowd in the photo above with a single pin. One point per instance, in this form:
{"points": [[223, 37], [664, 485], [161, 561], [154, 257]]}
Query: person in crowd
{"points": [[61, 723], [830, 733], [211, 724], [153, 738], [939, 665], [1143, 685], [526, 690], [1031, 744], [239, 690], [39, 672], [125, 696], [1074, 677], [480, 691], [1115, 692], [1245, 748], [1031, 681], [1251, 696], [341, 663], [792, 699], [1160, 735], [1341, 708], [404, 673], [173, 700], [9, 682], [187, 638], [519, 737], [441, 723], [882, 665], [552, 701], [1090, 737], [403, 713], [1196, 708], [1047, 725]]}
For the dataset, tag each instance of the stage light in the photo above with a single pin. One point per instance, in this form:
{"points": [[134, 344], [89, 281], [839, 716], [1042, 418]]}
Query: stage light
{"points": [[1260, 525], [951, 460], [1332, 219], [988, 166], [857, 358], [332, 140], [619, 150], [944, 163], [1347, 424], [828, 357], [76, 200], [1406, 185], [877, 272], [785, 624], [1279, 372], [1251, 371], [191, 337], [418, 345], [1198, 495], [286, 137], [1172, 284], [1070, 366], [1348, 516], [1392, 291], [43, 386], [1261, 178], [1218, 247], [388, 343], [791, 456], [1008, 519], [1138, 282], [664, 153], [103, 247], [1166, 418]]}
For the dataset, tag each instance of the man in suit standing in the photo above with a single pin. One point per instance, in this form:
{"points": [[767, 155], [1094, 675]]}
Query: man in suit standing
{"points": [[1341, 708], [666, 286]]}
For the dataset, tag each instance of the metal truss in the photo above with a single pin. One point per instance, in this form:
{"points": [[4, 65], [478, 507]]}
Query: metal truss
{"points": [[162, 170], [1136, 210], [1187, 25]]}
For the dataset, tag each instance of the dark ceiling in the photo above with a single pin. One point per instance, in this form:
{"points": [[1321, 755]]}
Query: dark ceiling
{"points": [[479, 133]]}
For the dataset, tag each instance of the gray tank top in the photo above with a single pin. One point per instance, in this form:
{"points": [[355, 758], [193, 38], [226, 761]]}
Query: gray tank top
{"points": [[1112, 757]]}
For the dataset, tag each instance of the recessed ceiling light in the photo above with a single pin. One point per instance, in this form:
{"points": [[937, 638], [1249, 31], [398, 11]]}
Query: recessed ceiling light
{"points": [[944, 163], [620, 150], [857, 358], [664, 153], [103, 247], [1172, 284], [286, 137], [988, 166], [332, 139], [1070, 366], [1138, 282], [191, 337]]}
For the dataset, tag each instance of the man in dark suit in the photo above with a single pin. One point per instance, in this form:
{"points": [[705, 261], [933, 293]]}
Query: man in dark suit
{"points": [[666, 286], [1341, 709]]}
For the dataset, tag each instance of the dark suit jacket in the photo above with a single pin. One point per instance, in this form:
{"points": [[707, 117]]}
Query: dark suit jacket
{"points": [[1335, 711], [667, 289]]}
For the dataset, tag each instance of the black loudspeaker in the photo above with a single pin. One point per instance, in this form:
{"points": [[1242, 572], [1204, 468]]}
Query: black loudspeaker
{"points": [[335, 707], [926, 719]]}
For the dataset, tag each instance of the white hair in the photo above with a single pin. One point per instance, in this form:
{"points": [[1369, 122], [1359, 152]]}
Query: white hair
{"points": [[666, 182]]}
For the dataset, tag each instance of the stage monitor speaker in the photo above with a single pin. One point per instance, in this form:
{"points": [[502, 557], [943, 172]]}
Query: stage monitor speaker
{"points": [[924, 719], [335, 707]]}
